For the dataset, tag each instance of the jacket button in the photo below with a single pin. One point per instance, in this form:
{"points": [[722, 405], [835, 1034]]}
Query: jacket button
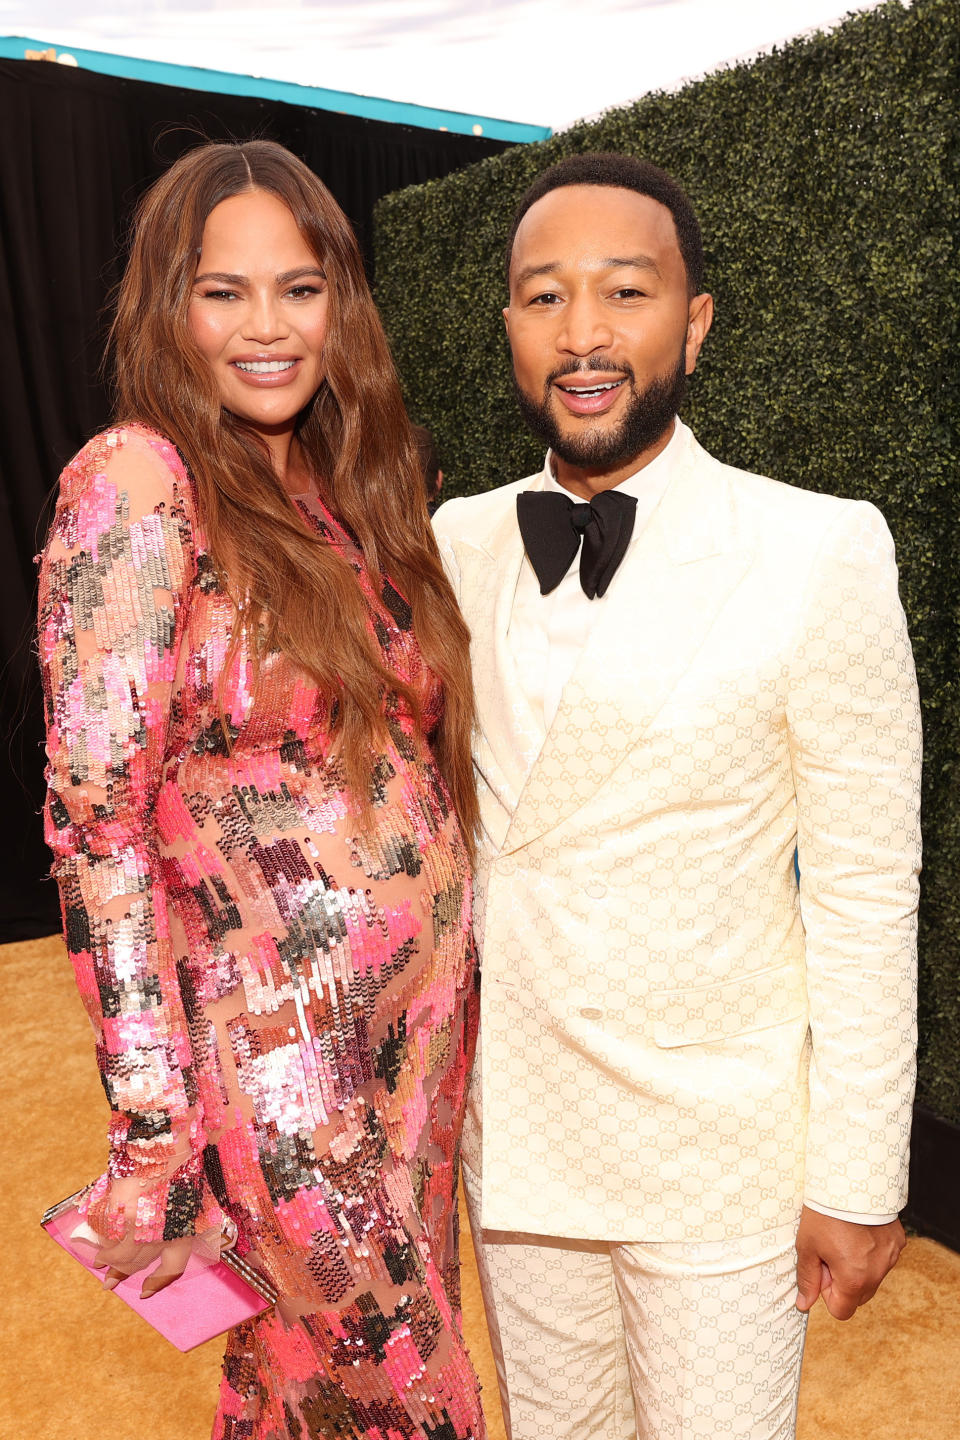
{"points": [[595, 890], [590, 1012]]}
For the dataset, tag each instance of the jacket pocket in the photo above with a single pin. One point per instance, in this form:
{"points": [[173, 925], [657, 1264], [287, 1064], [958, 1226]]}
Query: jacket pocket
{"points": [[709, 1013]]}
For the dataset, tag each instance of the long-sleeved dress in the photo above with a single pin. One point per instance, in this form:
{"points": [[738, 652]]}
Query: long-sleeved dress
{"points": [[281, 996]]}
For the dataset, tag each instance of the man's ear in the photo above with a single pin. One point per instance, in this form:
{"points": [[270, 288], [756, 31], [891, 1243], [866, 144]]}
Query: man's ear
{"points": [[699, 320], [505, 312]]}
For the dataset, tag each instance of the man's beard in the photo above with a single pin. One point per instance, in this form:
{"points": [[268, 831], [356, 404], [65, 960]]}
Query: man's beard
{"points": [[648, 414]]}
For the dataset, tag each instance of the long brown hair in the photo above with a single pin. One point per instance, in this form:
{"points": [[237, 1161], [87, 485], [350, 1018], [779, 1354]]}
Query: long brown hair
{"points": [[355, 435]]}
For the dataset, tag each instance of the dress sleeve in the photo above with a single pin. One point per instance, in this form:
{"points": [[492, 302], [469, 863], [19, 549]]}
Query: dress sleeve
{"points": [[114, 585], [854, 726]]}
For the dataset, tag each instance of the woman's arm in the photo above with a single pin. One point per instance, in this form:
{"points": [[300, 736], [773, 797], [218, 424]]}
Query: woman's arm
{"points": [[114, 591]]}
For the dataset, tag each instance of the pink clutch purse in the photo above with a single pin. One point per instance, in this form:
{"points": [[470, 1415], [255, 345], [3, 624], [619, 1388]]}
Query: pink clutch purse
{"points": [[208, 1298]]}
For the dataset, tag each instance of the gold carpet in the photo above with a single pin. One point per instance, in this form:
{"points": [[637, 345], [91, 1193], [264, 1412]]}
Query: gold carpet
{"points": [[82, 1366]]}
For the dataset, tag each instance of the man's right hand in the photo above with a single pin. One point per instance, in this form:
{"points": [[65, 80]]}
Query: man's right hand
{"points": [[843, 1262]]}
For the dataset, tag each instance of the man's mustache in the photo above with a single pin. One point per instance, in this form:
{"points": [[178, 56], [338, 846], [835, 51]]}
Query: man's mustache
{"points": [[591, 366]]}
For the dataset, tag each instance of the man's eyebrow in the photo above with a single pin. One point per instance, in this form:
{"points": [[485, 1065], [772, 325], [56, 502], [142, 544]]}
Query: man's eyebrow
{"points": [[611, 262], [633, 262], [224, 279], [530, 272]]}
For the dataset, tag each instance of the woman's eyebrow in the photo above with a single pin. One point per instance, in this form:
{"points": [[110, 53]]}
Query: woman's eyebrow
{"points": [[289, 275], [224, 279]]}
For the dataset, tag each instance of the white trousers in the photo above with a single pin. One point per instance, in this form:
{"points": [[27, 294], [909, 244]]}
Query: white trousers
{"points": [[598, 1341]]}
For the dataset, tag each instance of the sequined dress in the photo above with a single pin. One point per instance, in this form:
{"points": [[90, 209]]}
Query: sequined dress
{"points": [[290, 1000]]}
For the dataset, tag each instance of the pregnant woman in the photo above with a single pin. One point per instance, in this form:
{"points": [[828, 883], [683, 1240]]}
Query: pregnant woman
{"points": [[261, 806]]}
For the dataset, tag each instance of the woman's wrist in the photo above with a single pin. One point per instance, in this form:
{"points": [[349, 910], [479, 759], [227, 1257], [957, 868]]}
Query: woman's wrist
{"points": [[156, 1157]]}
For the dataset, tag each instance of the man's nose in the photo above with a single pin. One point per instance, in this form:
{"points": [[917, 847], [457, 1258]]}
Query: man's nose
{"points": [[585, 327]]}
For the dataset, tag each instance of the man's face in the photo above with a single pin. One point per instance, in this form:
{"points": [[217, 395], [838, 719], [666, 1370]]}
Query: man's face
{"points": [[601, 325]]}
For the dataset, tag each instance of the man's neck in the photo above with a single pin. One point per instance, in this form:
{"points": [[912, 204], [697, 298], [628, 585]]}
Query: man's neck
{"points": [[585, 482]]}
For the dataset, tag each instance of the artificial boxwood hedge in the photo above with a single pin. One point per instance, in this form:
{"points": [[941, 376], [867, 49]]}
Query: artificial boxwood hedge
{"points": [[825, 177]]}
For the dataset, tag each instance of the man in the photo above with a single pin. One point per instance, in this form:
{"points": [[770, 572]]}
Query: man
{"points": [[696, 1078]]}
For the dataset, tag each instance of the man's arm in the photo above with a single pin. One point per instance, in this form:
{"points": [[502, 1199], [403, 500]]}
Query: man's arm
{"points": [[854, 728]]}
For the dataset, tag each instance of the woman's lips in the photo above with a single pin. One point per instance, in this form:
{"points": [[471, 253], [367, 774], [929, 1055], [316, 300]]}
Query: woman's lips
{"points": [[266, 374], [586, 399]]}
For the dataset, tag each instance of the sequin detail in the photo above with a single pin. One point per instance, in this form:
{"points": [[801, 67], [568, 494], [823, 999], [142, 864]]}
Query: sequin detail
{"points": [[288, 1002]]}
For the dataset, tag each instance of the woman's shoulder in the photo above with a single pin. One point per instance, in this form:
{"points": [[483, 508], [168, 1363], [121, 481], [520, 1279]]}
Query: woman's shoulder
{"points": [[132, 445], [127, 476], [128, 455]]}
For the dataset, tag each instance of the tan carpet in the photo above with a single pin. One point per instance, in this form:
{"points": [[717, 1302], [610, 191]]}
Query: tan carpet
{"points": [[83, 1367]]}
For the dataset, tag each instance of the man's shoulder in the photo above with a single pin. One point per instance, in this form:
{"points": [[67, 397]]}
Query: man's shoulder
{"points": [[472, 517], [788, 509], [776, 495], [783, 496]]}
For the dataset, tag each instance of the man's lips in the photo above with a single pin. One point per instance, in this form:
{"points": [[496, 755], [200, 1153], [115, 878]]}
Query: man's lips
{"points": [[589, 394]]}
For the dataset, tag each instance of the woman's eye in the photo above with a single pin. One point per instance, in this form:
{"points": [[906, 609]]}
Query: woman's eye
{"points": [[219, 294], [303, 292]]}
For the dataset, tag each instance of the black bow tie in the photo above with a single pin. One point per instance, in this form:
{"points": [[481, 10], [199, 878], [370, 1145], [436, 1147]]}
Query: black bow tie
{"points": [[552, 524]]}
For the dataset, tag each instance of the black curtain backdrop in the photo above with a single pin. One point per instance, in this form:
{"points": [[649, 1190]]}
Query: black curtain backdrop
{"points": [[76, 151]]}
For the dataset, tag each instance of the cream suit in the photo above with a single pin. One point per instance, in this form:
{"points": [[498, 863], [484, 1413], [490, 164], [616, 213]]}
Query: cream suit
{"points": [[677, 1044]]}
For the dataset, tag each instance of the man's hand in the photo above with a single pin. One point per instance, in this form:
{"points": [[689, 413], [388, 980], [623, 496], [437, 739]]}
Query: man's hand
{"points": [[842, 1261]]}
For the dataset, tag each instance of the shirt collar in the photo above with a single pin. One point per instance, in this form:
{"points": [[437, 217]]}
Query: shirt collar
{"points": [[653, 476]]}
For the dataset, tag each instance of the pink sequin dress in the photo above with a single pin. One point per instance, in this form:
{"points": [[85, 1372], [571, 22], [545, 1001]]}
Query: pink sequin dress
{"points": [[290, 1002]]}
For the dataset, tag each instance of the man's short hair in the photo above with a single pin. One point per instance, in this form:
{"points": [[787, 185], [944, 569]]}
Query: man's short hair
{"points": [[625, 172]]}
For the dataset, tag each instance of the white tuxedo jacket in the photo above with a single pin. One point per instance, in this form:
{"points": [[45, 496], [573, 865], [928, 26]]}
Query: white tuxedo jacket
{"points": [[675, 1042]]}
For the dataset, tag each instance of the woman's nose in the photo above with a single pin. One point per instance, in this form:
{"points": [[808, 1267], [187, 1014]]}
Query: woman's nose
{"points": [[264, 321]]}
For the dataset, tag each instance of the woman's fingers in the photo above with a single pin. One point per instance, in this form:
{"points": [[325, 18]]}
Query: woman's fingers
{"points": [[120, 1255], [173, 1262], [125, 1257], [156, 1282]]}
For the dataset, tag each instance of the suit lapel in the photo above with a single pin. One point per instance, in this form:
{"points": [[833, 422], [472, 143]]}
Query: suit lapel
{"points": [[509, 733], [662, 604]]}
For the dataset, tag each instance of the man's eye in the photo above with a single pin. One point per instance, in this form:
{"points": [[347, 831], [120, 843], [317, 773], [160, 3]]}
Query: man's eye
{"points": [[628, 292], [547, 298]]}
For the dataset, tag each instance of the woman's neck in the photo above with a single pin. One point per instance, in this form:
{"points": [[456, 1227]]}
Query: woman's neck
{"points": [[289, 461]]}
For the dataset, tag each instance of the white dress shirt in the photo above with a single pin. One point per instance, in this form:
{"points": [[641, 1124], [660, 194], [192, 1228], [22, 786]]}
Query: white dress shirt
{"points": [[547, 633]]}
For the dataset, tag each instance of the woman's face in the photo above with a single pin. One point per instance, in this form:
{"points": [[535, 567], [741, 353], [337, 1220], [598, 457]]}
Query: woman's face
{"points": [[258, 311]]}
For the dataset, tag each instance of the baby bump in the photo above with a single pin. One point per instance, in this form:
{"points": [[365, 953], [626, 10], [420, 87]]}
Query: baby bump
{"points": [[277, 886]]}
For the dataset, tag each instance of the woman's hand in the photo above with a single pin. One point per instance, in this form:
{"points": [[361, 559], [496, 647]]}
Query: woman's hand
{"points": [[126, 1256]]}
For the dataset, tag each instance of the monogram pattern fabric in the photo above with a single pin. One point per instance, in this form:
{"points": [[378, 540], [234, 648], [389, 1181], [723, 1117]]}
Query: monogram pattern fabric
{"points": [[681, 1341], [676, 1041]]}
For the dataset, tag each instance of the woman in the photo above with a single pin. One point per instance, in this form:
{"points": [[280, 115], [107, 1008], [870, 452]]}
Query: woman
{"points": [[259, 715]]}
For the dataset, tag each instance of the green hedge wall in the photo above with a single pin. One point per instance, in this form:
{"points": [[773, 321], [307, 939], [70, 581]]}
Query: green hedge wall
{"points": [[825, 177]]}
